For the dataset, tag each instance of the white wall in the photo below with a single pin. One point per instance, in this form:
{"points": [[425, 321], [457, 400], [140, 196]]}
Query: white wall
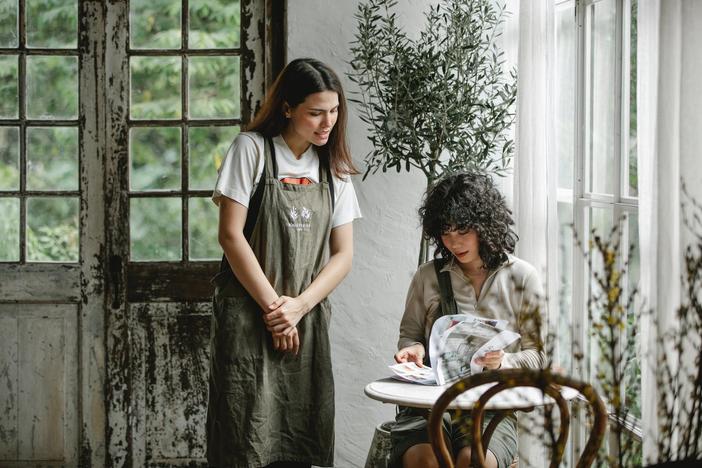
{"points": [[368, 305]]}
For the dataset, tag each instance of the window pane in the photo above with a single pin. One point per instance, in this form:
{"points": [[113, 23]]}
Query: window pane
{"points": [[633, 179], [52, 87], [604, 95], [52, 229], [155, 24], [207, 148], [9, 158], [9, 107], [214, 87], [601, 222], [8, 23], [9, 230], [633, 365], [155, 229], [202, 227], [214, 24], [155, 87], [565, 95], [52, 158], [565, 274], [154, 155], [52, 23]]}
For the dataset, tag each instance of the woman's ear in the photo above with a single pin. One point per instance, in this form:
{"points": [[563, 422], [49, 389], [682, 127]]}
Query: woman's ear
{"points": [[286, 110]]}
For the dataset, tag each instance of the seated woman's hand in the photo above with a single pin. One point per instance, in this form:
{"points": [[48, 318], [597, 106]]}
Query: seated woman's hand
{"points": [[491, 360], [414, 353], [284, 314], [289, 343]]}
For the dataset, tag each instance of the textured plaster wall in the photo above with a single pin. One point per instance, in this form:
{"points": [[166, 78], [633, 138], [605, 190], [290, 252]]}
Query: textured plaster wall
{"points": [[368, 305]]}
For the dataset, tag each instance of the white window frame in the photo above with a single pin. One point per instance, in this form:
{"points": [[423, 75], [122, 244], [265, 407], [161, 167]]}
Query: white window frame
{"points": [[580, 200]]}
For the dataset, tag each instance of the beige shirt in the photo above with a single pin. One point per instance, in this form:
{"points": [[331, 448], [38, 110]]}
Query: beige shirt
{"points": [[513, 293]]}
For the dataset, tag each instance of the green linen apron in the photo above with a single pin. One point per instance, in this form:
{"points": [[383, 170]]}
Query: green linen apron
{"points": [[266, 405]]}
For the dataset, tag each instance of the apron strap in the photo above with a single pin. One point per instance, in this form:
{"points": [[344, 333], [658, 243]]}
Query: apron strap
{"points": [[326, 176], [448, 302], [255, 202]]}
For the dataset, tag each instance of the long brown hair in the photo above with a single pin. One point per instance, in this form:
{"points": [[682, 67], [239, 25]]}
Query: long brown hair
{"points": [[299, 79]]}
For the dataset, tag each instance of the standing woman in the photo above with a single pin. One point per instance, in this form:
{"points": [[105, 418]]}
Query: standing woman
{"points": [[286, 207]]}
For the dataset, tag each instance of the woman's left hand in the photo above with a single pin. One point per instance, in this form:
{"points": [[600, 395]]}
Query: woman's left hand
{"points": [[491, 360], [284, 314]]}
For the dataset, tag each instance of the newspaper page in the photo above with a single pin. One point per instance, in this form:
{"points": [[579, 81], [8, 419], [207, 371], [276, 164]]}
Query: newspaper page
{"points": [[411, 372], [460, 340], [456, 341]]}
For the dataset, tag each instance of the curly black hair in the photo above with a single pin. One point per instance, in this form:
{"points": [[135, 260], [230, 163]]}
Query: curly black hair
{"points": [[469, 200]]}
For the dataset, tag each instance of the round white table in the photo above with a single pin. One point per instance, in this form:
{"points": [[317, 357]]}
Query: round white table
{"points": [[389, 390]]}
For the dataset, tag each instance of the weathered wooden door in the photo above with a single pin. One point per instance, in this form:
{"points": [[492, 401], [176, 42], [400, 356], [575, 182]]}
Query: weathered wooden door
{"points": [[109, 144], [52, 358], [182, 76]]}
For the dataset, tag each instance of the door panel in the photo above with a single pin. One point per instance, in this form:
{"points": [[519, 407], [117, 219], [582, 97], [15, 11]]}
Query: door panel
{"points": [[170, 369], [39, 383]]}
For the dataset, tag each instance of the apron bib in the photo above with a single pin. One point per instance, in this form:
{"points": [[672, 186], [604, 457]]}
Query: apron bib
{"points": [[266, 405]]}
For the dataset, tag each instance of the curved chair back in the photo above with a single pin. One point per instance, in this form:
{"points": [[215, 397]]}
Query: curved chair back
{"points": [[543, 379]]}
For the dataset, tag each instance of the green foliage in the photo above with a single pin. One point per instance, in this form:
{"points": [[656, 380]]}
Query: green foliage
{"points": [[52, 158], [214, 23], [611, 328], [155, 229], [9, 158], [52, 87], [8, 23], [439, 103], [52, 23], [9, 229], [52, 229], [8, 86]]}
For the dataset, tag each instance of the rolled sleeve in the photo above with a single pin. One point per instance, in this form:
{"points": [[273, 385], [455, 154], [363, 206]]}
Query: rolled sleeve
{"points": [[531, 322]]}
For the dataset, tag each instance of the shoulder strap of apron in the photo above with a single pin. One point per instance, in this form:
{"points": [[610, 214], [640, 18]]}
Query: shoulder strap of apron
{"points": [[255, 202], [448, 302], [325, 170]]}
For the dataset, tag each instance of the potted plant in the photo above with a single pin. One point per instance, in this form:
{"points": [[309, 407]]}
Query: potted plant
{"points": [[439, 103]]}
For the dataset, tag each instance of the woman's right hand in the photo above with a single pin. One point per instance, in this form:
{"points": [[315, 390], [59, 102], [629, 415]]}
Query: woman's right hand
{"points": [[414, 353], [289, 343]]}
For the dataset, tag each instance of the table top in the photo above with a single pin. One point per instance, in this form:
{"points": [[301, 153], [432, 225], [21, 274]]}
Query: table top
{"points": [[397, 392]]}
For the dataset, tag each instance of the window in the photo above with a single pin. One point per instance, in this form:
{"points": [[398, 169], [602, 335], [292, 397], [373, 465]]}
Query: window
{"points": [[596, 153], [39, 132], [184, 111]]}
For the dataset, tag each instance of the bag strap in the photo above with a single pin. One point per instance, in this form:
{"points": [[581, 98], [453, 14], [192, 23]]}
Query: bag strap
{"points": [[448, 301]]}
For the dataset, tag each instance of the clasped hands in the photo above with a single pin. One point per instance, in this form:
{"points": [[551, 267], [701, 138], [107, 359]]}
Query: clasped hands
{"points": [[281, 320], [415, 354]]}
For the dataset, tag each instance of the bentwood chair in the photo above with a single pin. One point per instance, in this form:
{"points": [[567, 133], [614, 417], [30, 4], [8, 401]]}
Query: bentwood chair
{"points": [[543, 379]]}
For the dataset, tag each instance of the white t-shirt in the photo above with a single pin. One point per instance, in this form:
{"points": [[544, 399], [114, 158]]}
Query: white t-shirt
{"points": [[242, 169]]}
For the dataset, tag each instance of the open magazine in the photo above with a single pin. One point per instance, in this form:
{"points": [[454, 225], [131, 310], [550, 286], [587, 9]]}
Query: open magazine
{"points": [[456, 341]]}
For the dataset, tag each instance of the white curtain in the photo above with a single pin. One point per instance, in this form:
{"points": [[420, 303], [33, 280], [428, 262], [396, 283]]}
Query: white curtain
{"points": [[534, 189], [534, 180], [669, 99]]}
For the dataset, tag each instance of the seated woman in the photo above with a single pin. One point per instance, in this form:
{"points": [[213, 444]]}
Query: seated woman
{"points": [[467, 218]]}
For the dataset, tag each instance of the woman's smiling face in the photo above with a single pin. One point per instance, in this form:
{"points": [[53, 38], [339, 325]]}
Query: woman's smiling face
{"points": [[314, 118]]}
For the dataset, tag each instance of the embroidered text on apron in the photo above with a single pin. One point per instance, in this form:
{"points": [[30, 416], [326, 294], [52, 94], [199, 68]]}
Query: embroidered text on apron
{"points": [[266, 405]]}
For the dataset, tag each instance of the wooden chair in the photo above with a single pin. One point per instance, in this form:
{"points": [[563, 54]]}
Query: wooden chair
{"points": [[543, 379]]}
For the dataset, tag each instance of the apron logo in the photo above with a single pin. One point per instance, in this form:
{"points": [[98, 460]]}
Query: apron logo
{"points": [[300, 219]]}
